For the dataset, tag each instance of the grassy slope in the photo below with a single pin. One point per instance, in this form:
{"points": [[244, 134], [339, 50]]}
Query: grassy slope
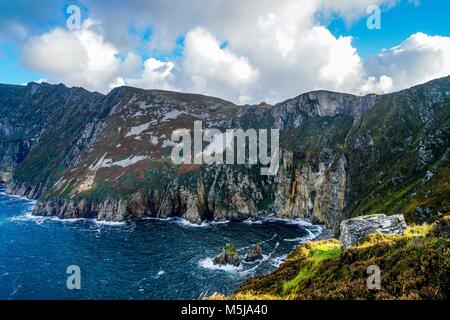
{"points": [[415, 265]]}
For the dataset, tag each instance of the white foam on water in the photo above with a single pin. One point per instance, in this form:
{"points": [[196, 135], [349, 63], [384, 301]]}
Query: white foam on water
{"points": [[28, 217], [208, 263], [107, 223], [249, 221], [265, 258], [219, 222], [31, 201], [300, 222], [185, 223], [277, 261], [182, 222], [310, 236], [159, 274], [41, 219], [158, 219]]}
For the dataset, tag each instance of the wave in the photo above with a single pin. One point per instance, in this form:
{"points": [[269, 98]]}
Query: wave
{"points": [[310, 236], [265, 258], [277, 261], [184, 223], [208, 263], [41, 219], [3, 193], [260, 220], [261, 242], [159, 274], [253, 221], [299, 222]]}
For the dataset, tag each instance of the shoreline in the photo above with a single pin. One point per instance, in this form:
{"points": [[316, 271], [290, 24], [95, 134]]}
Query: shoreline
{"points": [[319, 231], [323, 234]]}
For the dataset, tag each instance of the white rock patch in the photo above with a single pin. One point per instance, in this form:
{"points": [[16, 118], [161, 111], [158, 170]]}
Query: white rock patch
{"points": [[172, 115], [108, 163], [129, 161], [135, 131]]}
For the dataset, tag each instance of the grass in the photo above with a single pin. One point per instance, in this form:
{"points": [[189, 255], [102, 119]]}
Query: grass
{"points": [[317, 252], [414, 265], [230, 248]]}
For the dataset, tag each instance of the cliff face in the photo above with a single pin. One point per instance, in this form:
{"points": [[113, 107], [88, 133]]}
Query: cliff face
{"points": [[317, 193], [82, 154]]}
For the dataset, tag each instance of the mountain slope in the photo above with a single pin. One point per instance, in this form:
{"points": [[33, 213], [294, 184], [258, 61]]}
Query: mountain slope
{"points": [[83, 154]]}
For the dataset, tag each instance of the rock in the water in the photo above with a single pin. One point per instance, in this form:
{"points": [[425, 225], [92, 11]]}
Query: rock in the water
{"points": [[353, 231], [254, 254], [228, 255]]}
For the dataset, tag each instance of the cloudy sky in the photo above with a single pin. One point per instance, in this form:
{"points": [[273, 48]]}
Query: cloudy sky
{"points": [[245, 51]]}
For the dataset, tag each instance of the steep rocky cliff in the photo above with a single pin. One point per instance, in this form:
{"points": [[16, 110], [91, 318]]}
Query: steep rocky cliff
{"points": [[83, 154]]}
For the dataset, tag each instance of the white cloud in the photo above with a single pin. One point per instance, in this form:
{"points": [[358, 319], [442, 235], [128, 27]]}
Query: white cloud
{"points": [[208, 68], [383, 84], [58, 52], [80, 58], [156, 75], [273, 51], [418, 59]]}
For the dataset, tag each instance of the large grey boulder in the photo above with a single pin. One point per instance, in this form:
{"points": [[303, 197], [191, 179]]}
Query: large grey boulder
{"points": [[353, 231]]}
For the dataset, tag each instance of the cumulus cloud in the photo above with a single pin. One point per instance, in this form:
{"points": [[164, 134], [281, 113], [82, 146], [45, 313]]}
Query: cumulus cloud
{"points": [[247, 52], [80, 58], [156, 75], [418, 59], [209, 68]]}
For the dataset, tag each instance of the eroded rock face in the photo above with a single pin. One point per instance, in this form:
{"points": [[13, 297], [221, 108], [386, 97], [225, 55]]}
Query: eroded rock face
{"points": [[353, 231], [316, 194]]}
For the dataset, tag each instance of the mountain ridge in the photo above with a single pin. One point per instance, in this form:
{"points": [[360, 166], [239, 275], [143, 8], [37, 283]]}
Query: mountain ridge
{"points": [[333, 147]]}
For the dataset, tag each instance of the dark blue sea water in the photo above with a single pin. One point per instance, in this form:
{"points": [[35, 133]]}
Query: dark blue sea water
{"points": [[150, 259]]}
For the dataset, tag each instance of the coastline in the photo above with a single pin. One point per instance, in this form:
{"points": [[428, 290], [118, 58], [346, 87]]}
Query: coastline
{"points": [[193, 250], [324, 233]]}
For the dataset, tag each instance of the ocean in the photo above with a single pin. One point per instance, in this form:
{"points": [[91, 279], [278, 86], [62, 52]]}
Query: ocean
{"points": [[145, 259]]}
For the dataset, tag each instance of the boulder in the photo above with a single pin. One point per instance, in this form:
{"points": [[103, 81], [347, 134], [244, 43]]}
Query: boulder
{"points": [[254, 254], [228, 255], [353, 231]]}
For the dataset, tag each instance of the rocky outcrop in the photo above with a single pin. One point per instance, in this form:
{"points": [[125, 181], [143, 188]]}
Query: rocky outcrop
{"points": [[229, 256], [355, 230], [254, 254]]}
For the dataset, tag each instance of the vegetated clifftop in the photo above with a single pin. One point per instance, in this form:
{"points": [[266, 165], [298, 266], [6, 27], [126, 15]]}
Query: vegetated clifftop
{"points": [[84, 154], [414, 265]]}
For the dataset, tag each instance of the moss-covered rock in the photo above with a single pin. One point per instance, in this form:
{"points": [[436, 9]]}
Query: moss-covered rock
{"points": [[229, 255]]}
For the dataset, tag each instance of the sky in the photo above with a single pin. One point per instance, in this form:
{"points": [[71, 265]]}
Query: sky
{"points": [[246, 51]]}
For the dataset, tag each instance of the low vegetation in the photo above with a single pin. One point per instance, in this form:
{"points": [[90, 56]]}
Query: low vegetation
{"points": [[415, 265]]}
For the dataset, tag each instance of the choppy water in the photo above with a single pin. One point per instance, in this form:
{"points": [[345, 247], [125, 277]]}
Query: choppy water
{"points": [[149, 259]]}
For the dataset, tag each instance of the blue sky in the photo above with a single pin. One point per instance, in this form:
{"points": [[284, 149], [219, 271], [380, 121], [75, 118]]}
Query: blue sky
{"points": [[430, 17], [262, 56]]}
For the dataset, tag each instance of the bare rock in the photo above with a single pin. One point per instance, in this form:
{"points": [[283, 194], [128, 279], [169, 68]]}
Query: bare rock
{"points": [[254, 254], [353, 231], [228, 255]]}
